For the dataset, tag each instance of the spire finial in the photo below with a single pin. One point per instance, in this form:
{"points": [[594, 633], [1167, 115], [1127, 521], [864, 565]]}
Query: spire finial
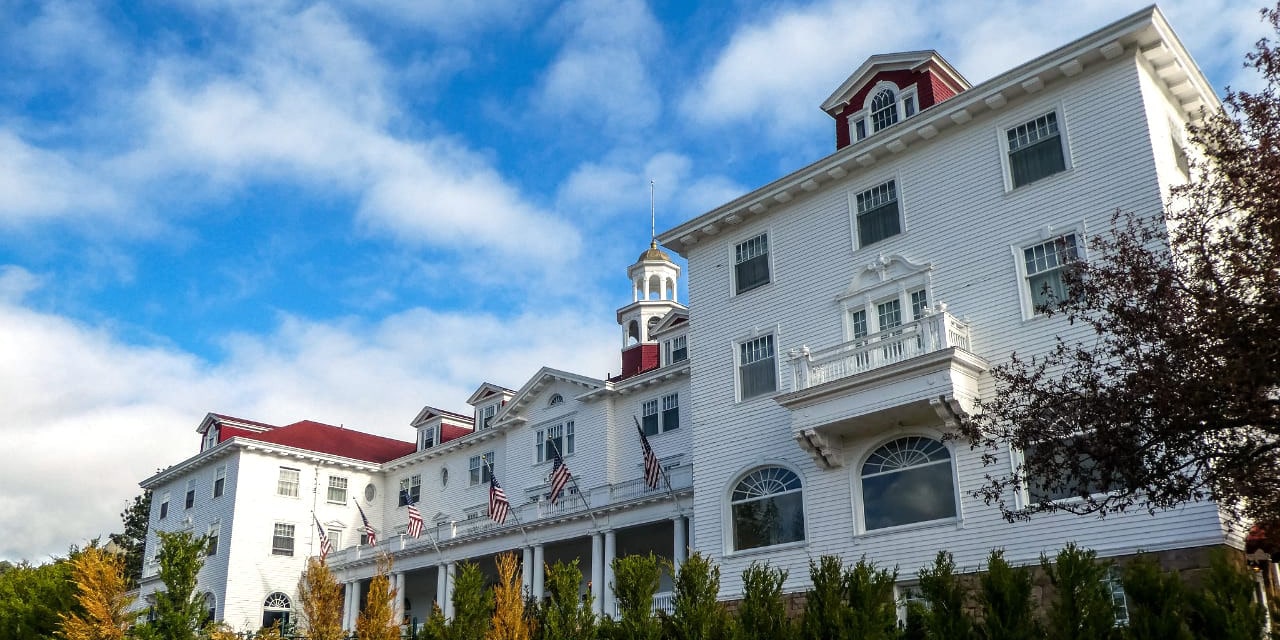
{"points": [[653, 231]]}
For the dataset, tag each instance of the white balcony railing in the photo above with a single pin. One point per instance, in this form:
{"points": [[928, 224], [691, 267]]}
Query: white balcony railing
{"points": [[663, 601], [934, 332]]}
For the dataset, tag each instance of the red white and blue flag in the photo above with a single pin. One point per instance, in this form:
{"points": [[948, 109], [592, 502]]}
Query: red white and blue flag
{"points": [[368, 528], [499, 506], [326, 547], [559, 475], [415, 521], [652, 468]]}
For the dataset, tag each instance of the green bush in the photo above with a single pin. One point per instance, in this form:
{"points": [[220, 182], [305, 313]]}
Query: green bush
{"points": [[1005, 598], [565, 616], [635, 580], [472, 604], [1082, 608], [762, 615], [944, 615], [824, 605], [1224, 607], [872, 610], [1156, 602]]}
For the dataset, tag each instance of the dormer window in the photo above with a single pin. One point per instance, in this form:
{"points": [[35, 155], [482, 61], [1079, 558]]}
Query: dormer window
{"points": [[674, 350], [886, 107], [484, 416], [428, 437]]}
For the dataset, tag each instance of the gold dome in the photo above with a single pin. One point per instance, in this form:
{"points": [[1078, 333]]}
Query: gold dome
{"points": [[654, 253]]}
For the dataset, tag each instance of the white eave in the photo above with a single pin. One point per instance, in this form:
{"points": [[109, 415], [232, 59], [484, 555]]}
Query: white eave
{"points": [[907, 60], [1145, 33], [638, 382], [225, 448]]}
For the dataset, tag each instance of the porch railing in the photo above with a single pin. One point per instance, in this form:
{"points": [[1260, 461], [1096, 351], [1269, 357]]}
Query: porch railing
{"points": [[934, 332]]}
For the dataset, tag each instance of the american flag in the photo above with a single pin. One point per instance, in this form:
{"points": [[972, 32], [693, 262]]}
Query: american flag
{"points": [[326, 547], [652, 468], [415, 521], [498, 503], [559, 476], [368, 528]]}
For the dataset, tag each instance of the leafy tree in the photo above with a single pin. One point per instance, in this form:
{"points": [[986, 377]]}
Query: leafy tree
{"points": [[436, 627], [635, 580], [824, 605], [1082, 608], [1177, 352], [321, 598], [565, 616], [762, 615], [103, 597], [1224, 607], [180, 612], [1156, 601], [872, 611], [133, 541], [945, 616], [1005, 596], [472, 606], [33, 597], [376, 620], [509, 622], [696, 615]]}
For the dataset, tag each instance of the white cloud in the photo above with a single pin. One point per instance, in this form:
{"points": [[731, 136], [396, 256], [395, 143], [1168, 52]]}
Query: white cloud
{"points": [[451, 19], [39, 184], [621, 186]]}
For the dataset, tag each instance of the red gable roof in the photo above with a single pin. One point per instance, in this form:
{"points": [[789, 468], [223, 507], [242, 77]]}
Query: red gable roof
{"points": [[326, 438]]}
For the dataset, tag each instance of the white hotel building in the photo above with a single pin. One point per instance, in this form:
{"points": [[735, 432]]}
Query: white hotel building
{"points": [[843, 316]]}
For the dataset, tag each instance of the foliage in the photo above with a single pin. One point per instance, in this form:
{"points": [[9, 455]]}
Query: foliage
{"points": [[436, 627], [509, 622], [762, 615], [635, 580], [376, 620], [33, 597], [472, 606], [133, 541], [180, 612], [1005, 596], [1156, 602], [696, 615], [872, 612], [565, 616], [824, 605], [321, 598], [1177, 347], [1082, 608], [103, 597], [945, 616], [1224, 608]]}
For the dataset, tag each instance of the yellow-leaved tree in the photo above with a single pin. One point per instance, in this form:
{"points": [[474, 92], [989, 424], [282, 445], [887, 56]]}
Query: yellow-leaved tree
{"points": [[99, 576], [509, 621], [377, 620], [321, 597]]}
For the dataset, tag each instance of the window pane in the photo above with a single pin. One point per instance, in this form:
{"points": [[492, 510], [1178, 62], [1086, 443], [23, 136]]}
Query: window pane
{"points": [[751, 263], [877, 214], [1035, 150], [287, 485], [758, 378], [884, 111], [337, 489], [670, 412], [649, 417], [1086, 483], [768, 521], [917, 494]]}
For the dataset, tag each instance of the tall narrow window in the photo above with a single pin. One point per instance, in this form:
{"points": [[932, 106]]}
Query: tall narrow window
{"points": [[1035, 150], [751, 263], [282, 540], [480, 467], [191, 493], [884, 110], [649, 417], [674, 350], [164, 505], [219, 480], [485, 415], [878, 216], [215, 530], [670, 412], [1044, 264], [287, 483], [337, 490], [757, 371]]}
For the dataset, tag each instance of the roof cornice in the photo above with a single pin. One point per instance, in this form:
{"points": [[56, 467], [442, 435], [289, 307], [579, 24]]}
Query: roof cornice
{"points": [[226, 447]]}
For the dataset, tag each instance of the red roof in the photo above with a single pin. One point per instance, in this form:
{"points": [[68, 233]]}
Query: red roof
{"points": [[326, 438]]}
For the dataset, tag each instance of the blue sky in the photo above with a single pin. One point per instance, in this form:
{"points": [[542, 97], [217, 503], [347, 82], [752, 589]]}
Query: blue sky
{"points": [[345, 211]]}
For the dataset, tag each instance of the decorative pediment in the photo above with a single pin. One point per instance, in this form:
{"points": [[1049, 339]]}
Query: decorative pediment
{"points": [[428, 413], [877, 65], [674, 318], [488, 391], [539, 385], [886, 275]]}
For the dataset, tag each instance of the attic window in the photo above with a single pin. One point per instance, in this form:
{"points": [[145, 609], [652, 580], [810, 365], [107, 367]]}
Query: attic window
{"points": [[884, 110], [555, 400], [887, 106]]}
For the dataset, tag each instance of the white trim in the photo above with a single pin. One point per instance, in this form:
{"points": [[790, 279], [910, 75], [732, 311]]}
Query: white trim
{"points": [[731, 259], [1024, 115], [726, 506], [736, 347], [859, 517], [1044, 234]]}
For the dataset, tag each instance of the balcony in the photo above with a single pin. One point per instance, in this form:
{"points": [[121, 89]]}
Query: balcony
{"points": [[918, 373]]}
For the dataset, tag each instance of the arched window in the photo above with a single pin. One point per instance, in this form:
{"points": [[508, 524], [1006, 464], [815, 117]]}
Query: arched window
{"points": [[633, 333], [555, 400], [275, 609], [905, 481], [884, 109], [768, 508]]}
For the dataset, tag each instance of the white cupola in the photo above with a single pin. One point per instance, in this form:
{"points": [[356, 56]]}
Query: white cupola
{"points": [[653, 295]]}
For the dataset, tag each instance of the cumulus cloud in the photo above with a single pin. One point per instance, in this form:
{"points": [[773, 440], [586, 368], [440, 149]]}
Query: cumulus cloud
{"points": [[614, 187], [40, 184]]}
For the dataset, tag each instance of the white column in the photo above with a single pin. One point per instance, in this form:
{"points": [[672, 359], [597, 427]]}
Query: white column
{"points": [[539, 558], [526, 571], [681, 550], [441, 575], [346, 605], [597, 573], [610, 551], [448, 590], [397, 605]]}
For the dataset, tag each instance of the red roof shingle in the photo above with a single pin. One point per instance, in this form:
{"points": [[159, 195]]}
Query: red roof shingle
{"points": [[326, 438]]}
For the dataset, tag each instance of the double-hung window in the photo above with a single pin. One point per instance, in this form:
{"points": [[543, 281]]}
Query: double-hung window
{"points": [[191, 494], [410, 490], [1043, 265], [555, 438], [484, 416], [164, 505], [757, 368], [481, 467], [215, 529], [751, 263], [282, 540], [337, 490], [661, 414], [878, 214], [1035, 150], [219, 480], [674, 350], [287, 483]]}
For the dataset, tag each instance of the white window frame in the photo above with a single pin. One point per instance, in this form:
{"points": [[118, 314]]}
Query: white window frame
{"points": [[480, 474], [1024, 117], [661, 404], [430, 433], [669, 349], [288, 488], [406, 491], [163, 511], [215, 537], [563, 429], [853, 210], [1046, 234], [728, 532], [738, 364], [219, 481], [189, 498], [733, 261], [485, 415], [335, 537], [855, 475], [906, 592], [281, 531], [345, 484], [864, 115]]}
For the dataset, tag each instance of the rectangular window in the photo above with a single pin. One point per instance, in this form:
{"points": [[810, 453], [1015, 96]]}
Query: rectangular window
{"points": [[337, 489], [757, 373], [1044, 263], [484, 416], [219, 481], [908, 106], [859, 127], [410, 490], [335, 538], [1043, 489], [287, 484], [1035, 150], [878, 216], [215, 529], [428, 438], [1119, 601], [282, 540], [670, 412], [674, 350], [560, 436], [919, 304], [164, 505], [191, 494], [649, 417], [481, 467], [751, 263]]}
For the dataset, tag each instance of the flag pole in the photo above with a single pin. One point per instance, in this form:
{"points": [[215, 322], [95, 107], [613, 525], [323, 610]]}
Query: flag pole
{"points": [[510, 510], [661, 469], [429, 538], [574, 480]]}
